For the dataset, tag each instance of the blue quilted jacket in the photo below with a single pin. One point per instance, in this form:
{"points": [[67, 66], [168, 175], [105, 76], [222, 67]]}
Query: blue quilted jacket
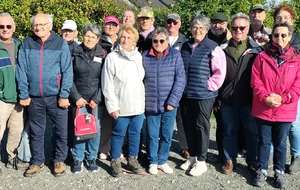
{"points": [[44, 68], [164, 80]]}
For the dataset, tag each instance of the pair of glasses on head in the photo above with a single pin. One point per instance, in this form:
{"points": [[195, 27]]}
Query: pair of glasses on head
{"points": [[5, 26], [160, 41], [277, 35], [235, 28], [172, 21], [40, 25]]}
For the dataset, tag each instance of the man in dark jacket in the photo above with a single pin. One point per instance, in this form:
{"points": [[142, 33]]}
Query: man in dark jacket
{"points": [[44, 57], [236, 93], [69, 33], [218, 31], [176, 39], [145, 20]]}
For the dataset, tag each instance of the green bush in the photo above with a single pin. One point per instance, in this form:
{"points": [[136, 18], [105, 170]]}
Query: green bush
{"points": [[94, 11]]}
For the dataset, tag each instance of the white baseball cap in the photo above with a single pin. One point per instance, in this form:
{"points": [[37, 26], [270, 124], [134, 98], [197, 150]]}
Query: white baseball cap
{"points": [[69, 24]]}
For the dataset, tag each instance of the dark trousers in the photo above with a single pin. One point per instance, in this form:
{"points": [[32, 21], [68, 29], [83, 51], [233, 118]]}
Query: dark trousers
{"points": [[275, 132], [37, 111], [196, 123], [219, 134]]}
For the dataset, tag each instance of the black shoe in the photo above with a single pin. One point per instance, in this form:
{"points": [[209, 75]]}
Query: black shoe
{"points": [[280, 180], [260, 178], [295, 165], [78, 167], [92, 166], [252, 167]]}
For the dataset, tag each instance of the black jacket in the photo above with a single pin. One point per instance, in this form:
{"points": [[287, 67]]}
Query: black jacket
{"points": [[87, 65], [236, 90], [144, 43], [181, 39]]}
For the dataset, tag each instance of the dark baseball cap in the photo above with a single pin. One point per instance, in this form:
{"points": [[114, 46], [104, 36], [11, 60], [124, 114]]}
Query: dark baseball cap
{"points": [[257, 7], [219, 17]]}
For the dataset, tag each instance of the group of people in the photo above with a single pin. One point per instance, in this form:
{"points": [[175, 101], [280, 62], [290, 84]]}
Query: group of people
{"points": [[248, 75]]}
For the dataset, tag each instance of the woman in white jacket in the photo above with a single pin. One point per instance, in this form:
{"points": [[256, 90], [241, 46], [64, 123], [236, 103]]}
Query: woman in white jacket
{"points": [[124, 92]]}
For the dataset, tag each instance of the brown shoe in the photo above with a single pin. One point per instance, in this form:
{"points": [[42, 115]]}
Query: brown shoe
{"points": [[227, 168], [33, 170], [185, 153], [59, 169]]}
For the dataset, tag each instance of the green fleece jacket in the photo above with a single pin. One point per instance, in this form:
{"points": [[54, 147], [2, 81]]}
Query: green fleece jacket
{"points": [[8, 85]]}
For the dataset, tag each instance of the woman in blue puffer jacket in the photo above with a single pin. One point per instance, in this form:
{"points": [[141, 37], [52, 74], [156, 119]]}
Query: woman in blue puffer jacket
{"points": [[164, 84]]}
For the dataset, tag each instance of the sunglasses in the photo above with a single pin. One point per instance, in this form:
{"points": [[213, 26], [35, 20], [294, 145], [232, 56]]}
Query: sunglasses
{"points": [[160, 41], [277, 35], [170, 22], [235, 28], [7, 26]]}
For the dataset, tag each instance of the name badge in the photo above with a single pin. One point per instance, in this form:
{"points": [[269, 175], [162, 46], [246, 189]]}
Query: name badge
{"points": [[98, 59]]}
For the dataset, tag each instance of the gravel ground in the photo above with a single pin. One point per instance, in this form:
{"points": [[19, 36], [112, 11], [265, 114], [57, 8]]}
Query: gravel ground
{"points": [[212, 179]]}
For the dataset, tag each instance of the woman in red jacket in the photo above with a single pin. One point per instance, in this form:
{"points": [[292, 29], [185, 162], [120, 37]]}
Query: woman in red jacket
{"points": [[276, 88]]}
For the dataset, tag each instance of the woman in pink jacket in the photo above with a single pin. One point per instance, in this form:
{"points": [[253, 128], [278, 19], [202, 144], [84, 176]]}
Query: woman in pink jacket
{"points": [[276, 87]]}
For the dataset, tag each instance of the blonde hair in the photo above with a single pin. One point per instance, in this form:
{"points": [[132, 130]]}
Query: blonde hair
{"points": [[131, 30]]}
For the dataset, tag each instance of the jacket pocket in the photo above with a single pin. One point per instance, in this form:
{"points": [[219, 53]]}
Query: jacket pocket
{"points": [[58, 80]]}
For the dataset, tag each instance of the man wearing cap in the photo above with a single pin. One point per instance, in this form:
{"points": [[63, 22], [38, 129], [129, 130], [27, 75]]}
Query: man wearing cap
{"points": [[69, 33], [128, 17], [176, 39], [110, 30], [257, 29], [218, 31], [145, 21]]}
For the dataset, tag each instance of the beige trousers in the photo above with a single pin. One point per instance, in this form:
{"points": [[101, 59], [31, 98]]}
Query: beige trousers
{"points": [[11, 117]]}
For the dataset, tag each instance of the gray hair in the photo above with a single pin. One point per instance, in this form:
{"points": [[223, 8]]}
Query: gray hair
{"points": [[93, 28], [160, 30], [7, 15], [285, 24], [240, 15], [201, 19], [50, 18]]}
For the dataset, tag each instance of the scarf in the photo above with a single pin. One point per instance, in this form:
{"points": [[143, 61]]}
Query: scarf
{"points": [[145, 34], [281, 55]]}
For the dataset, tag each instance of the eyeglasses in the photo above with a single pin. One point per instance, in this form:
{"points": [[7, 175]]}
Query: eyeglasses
{"points": [[7, 26], [160, 41], [40, 25], [170, 22], [282, 18], [282, 35], [235, 28]]}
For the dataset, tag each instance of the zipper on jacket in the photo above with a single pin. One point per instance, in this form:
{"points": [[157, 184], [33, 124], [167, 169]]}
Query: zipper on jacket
{"points": [[41, 69]]}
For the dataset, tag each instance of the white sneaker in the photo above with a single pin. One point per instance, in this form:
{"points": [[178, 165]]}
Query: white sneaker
{"points": [[165, 168], [188, 163], [103, 156], [153, 169], [198, 168]]}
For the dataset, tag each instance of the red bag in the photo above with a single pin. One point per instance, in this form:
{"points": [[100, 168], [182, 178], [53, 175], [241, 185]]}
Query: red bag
{"points": [[85, 126]]}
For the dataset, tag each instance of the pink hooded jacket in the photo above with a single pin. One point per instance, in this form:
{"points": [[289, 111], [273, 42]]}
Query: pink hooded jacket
{"points": [[267, 78]]}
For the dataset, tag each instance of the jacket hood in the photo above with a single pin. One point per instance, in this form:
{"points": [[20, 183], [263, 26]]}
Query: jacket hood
{"points": [[129, 55]]}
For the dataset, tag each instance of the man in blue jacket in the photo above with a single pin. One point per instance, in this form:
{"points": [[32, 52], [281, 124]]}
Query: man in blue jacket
{"points": [[45, 76]]}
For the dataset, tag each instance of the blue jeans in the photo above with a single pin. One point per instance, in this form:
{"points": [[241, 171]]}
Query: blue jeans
{"points": [[159, 128], [88, 148], [37, 122], [133, 126], [275, 132], [294, 134], [231, 118]]}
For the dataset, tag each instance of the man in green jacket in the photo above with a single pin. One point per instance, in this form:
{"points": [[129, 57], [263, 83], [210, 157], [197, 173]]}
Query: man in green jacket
{"points": [[11, 112]]}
